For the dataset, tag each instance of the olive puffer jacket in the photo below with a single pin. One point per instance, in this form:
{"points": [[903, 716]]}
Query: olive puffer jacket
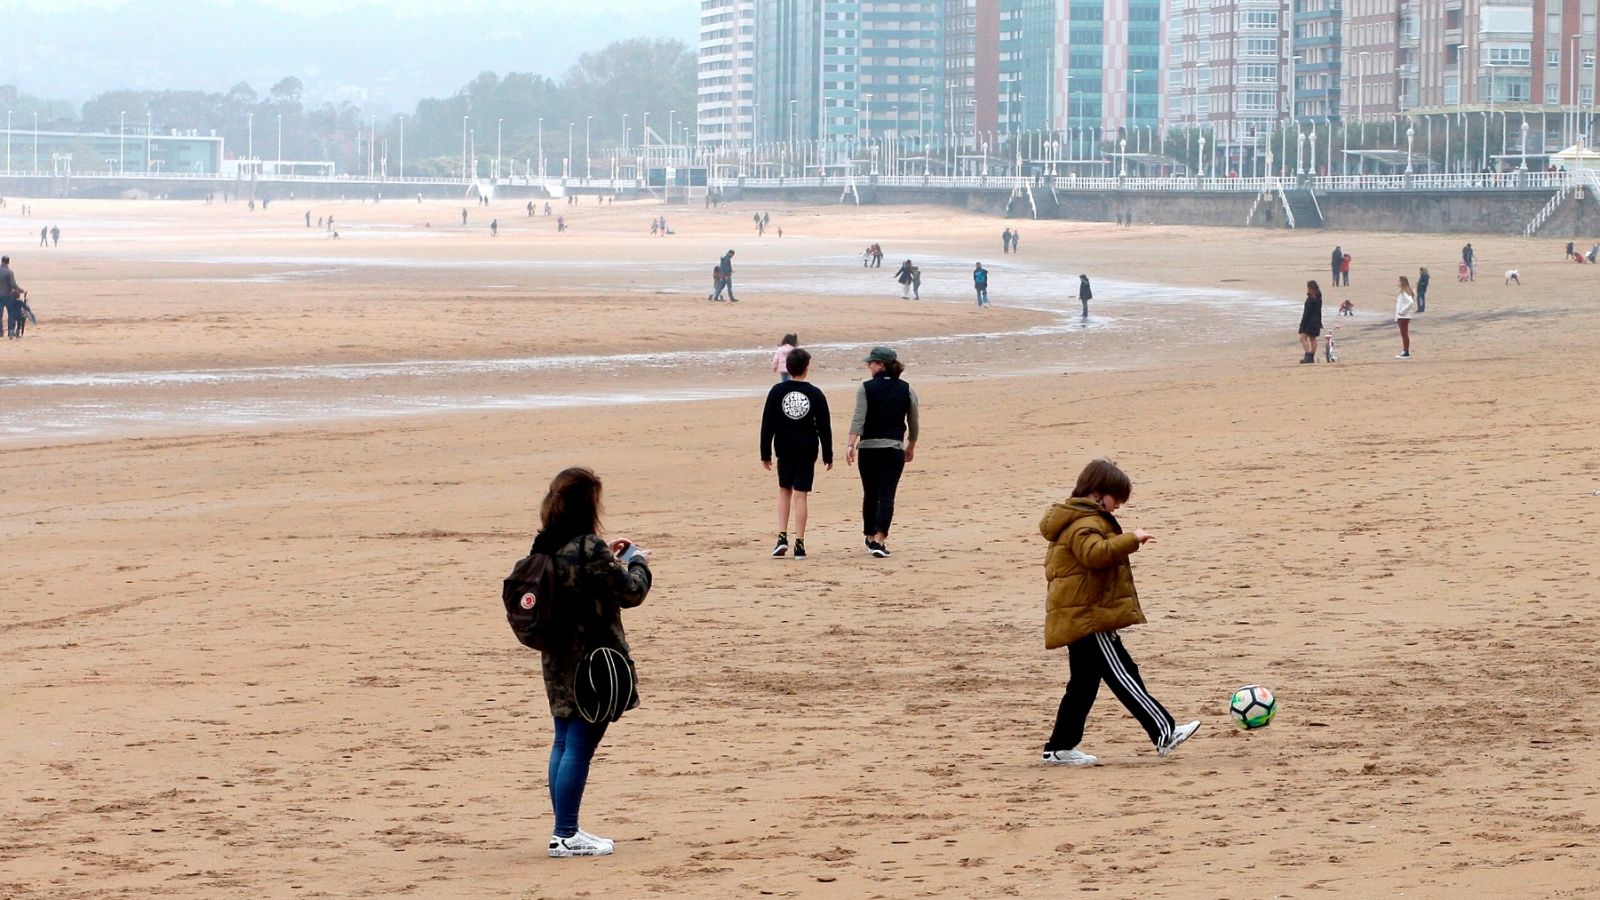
{"points": [[1091, 583]]}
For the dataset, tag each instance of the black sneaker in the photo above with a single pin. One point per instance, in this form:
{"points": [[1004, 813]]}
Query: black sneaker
{"points": [[799, 549], [782, 547], [878, 550]]}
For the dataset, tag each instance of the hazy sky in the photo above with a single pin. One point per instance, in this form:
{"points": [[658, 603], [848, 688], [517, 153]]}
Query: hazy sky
{"points": [[383, 55]]}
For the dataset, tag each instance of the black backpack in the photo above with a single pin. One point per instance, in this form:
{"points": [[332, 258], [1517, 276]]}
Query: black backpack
{"points": [[530, 598]]}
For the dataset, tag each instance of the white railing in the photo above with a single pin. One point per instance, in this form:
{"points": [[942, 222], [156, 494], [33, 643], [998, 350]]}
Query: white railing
{"points": [[1283, 199], [1454, 181]]}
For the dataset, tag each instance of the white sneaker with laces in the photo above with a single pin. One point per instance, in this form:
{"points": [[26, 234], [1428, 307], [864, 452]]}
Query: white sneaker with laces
{"points": [[1179, 735], [598, 839], [580, 844], [1069, 758]]}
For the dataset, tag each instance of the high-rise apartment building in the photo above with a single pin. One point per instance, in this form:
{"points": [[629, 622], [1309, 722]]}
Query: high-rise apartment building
{"points": [[837, 70], [1370, 36], [725, 103], [971, 68], [1316, 54], [1228, 74]]}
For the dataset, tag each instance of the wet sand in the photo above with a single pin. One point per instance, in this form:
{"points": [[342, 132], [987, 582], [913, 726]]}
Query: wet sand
{"points": [[264, 656]]}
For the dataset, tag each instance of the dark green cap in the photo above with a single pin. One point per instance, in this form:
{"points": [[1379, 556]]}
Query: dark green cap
{"points": [[881, 354]]}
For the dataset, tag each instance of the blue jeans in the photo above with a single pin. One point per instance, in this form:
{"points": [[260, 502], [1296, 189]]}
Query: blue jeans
{"points": [[983, 296], [574, 747]]}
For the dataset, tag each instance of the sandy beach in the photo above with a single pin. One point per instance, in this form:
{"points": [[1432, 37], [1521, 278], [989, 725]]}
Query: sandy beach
{"points": [[263, 485]]}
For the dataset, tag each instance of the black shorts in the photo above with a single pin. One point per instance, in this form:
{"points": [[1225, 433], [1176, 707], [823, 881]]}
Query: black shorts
{"points": [[797, 473]]}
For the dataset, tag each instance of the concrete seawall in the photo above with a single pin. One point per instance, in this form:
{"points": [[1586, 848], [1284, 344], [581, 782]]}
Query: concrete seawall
{"points": [[1503, 211]]}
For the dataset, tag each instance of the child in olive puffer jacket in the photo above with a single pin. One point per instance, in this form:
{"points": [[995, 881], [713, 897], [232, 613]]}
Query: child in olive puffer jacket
{"points": [[1091, 596]]}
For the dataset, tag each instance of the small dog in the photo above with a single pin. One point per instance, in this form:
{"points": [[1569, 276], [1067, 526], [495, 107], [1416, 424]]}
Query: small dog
{"points": [[1327, 348], [1511, 275]]}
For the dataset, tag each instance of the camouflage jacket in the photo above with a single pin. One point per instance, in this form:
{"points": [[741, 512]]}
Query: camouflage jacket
{"points": [[593, 589]]}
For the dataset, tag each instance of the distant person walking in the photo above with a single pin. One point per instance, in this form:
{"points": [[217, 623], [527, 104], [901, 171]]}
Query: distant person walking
{"points": [[1470, 260], [593, 582], [1016, 241], [1310, 323], [55, 235], [795, 422], [1338, 264], [980, 283], [1422, 289], [308, 218], [1405, 304], [883, 435], [903, 275], [726, 265], [11, 296], [494, 227], [1085, 294], [463, 215], [44, 236], [1005, 241], [1344, 269], [785, 347]]}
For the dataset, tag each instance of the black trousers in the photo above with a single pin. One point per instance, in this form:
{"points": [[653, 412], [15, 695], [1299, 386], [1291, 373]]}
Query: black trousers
{"points": [[880, 478], [1097, 658]]}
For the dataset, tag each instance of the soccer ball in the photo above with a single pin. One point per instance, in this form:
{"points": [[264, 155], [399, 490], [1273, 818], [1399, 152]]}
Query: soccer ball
{"points": [[1253, 706]]}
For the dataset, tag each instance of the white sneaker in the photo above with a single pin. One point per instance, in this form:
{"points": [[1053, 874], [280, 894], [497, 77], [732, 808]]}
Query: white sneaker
{"points": [[1069, 758], [580, 844], [598, 839], [1179, 735], [1404, 354]]}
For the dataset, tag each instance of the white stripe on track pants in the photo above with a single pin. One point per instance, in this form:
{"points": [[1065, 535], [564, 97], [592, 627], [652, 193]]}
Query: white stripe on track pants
{"points": [[1097, 658]]}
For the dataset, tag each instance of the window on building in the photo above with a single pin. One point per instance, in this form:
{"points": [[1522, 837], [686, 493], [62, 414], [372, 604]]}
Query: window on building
{"points": [[1507, 56], [1552, 23], [1452, 90], [1552, 58], [1552, 94]]}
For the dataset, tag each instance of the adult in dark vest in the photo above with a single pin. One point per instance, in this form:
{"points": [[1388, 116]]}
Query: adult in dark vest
{"points": [[883, 434]]}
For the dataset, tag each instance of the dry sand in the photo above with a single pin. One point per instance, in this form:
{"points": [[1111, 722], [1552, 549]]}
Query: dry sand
{"points": [[266, 659]]}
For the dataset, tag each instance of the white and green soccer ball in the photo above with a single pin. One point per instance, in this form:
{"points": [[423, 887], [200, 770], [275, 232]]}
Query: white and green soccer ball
{"points": [[1253, 706]]}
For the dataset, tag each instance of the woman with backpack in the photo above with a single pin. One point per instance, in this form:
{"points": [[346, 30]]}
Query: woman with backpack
{"points": [[588, 671]]}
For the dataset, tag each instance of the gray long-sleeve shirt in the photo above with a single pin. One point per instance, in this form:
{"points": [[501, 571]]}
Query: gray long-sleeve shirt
{"points": [[8, 284], [858, 422]]}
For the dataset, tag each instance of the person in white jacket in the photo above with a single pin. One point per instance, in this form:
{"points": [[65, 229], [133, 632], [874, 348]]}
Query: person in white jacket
{"points": [[1405, 305]]}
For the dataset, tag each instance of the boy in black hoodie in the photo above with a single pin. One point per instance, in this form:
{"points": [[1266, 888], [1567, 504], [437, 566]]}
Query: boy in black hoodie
{"points": [[796, 421]]}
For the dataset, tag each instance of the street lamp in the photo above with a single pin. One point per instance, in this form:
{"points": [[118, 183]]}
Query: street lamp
{"points": [[280, 140], [1411, 137], [402, 167], [35, 143], [122, 131], [1202, 160], [1523, 167], [792, 115], [250, 145], [588, 127], [497, 145], [1124, 154], [541, 148], [464, 147], [1361, 94], [147, 135], [571, 128]]}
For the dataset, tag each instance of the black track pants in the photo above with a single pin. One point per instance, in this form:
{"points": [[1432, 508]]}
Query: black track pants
{"points": [[1097, 658]]}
